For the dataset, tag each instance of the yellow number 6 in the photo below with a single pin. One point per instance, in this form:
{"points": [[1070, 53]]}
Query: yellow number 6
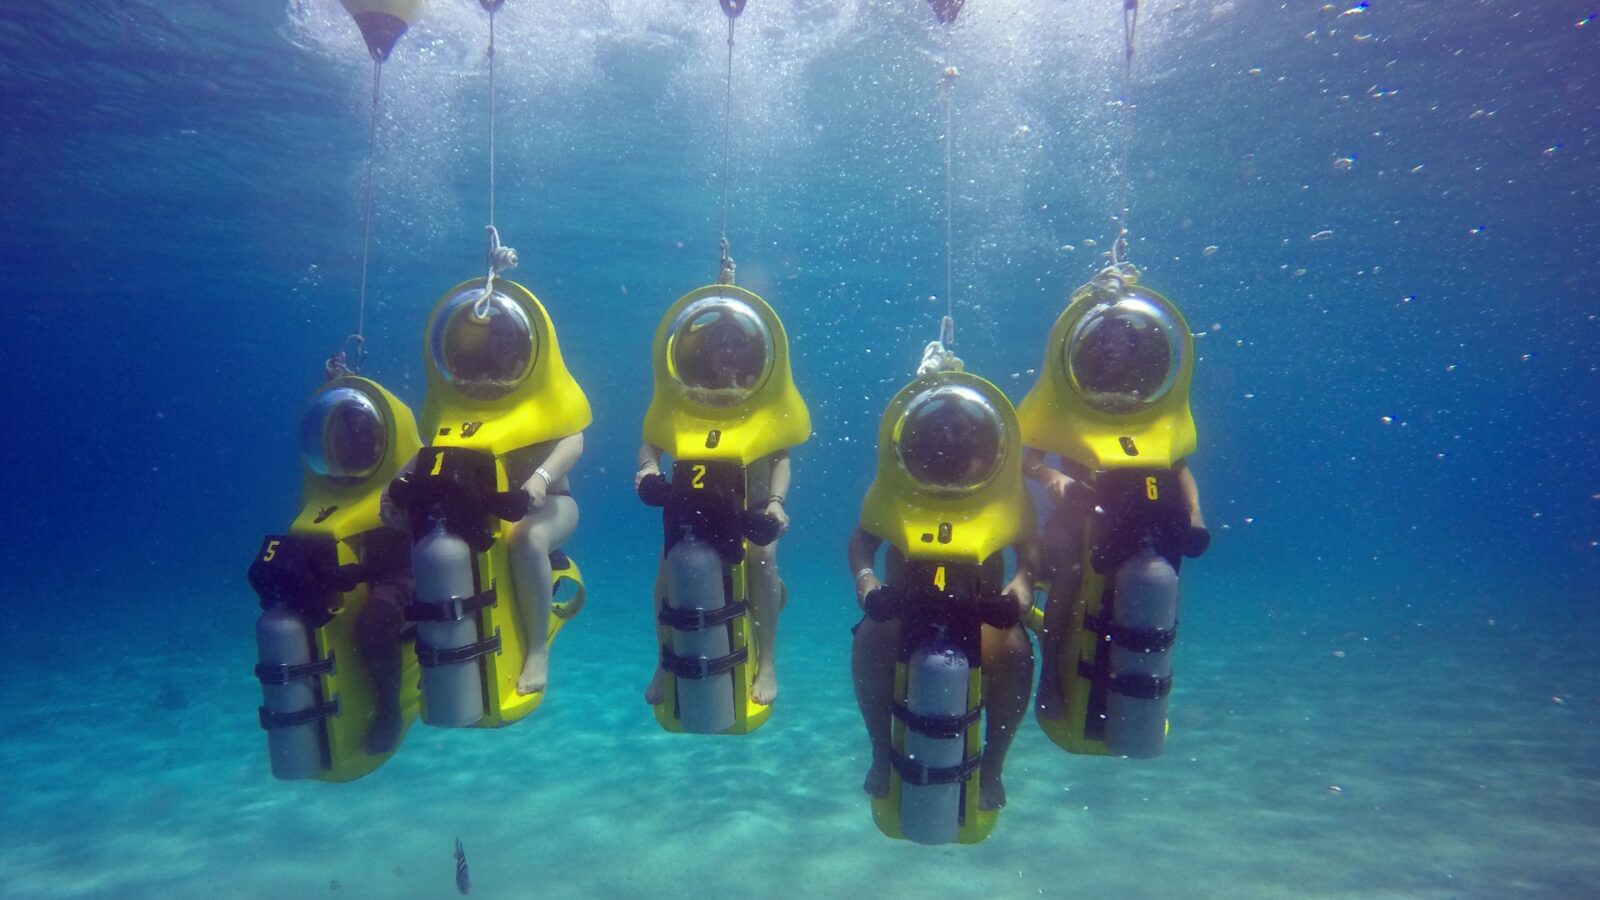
{"points": [[1150, 489]]}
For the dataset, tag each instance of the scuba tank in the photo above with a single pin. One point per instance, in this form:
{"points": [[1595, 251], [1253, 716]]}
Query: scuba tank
{"points": [[1144, 616], [705, 535], [288, 700], [449, 500], [936, 686], [695, 593], [441, 563]]}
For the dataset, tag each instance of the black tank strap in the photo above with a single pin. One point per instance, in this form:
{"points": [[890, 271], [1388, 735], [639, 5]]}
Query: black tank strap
{"points": [[1142, 687], [701, 619], [452, 610], [942, 727], [1137, 640], [920, 774], [433, 656], [271, 721], [698, 667], [283, 673]]}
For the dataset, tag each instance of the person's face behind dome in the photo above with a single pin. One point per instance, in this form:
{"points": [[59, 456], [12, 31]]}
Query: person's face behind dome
{"points": [[731, 355], [344, 438], [950, 445], [503, 354], [486, 357], [1122, 354], [355, 440]]}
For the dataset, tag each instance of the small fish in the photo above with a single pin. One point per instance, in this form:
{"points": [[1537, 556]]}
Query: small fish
{"points": [[463, 877]]}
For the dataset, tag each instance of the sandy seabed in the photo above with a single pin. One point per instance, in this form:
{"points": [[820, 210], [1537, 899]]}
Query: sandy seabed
{"points": [[1365, 754]]}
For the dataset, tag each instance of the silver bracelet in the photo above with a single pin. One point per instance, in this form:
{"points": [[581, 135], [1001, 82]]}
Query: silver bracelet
{"points": [[863, 572], [545, 475]]}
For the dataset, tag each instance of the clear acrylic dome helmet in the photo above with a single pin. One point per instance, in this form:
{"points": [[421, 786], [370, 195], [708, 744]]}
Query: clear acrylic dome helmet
{"points": [[950, 438], [1126, 355], [344, 436], [484, 348], [720, 351]]}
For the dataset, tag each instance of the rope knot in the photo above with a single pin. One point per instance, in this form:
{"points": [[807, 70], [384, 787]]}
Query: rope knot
{"points": [[937, 355]]}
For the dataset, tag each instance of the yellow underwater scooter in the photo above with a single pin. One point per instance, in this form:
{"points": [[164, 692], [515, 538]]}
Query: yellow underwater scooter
{"points": [[724, 399], [315, 583], [1113, 397], [496, 386], [947, 531]]}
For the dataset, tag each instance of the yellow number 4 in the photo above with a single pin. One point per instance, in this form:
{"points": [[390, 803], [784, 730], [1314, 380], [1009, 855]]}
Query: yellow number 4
{"points": [[938, 578]]}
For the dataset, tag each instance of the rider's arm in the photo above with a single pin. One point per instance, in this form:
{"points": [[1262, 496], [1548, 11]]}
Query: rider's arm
{"points": [[779, 485], [649, 462], [1021, 585], [563, 456], [1033, 465], [861, 551], [1191, 494]]}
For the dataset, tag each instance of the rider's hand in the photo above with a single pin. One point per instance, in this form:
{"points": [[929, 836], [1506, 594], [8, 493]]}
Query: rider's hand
{"points": [[390, 513], [866, 583], [537, 490], [776, 511], [1020, 589], [648, 467], [1057, 484]]}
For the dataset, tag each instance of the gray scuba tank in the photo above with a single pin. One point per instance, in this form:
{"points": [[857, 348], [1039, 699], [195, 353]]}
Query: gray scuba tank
{"points": [[441, 564], [282, 638], [936, 685], [694, 582], [1146, 600]]}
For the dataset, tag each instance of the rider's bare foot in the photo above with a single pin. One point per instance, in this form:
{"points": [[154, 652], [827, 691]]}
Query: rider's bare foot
{"points": [[535, 673], [764, 689], [877, 783], [652, 694]]}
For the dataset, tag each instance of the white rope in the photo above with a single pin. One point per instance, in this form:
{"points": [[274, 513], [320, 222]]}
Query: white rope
{"points": [[726, 267], [1130, 23], [937, 355], [501, 258], [359, 337]]}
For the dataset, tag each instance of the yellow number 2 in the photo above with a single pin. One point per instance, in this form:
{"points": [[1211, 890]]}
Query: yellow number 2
{"points": [[699, 480], [1150, 489]]}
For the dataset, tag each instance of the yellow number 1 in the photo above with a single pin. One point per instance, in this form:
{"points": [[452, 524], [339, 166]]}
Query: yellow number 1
{"points": [[438, 465]]}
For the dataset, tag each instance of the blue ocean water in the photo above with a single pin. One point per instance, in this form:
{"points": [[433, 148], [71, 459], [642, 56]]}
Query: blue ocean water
{"points": [[1385, 682]]}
